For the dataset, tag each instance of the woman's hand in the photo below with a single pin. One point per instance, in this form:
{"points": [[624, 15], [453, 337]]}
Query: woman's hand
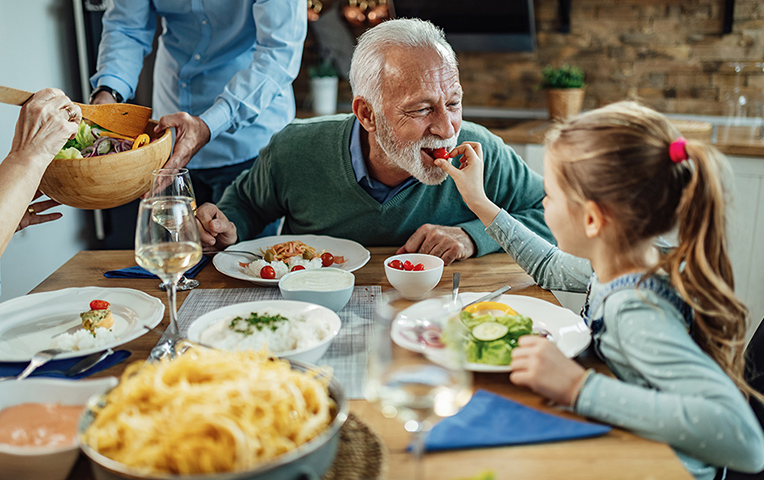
{"points": [[32, 214], [469, 180], [45, 123], [539, 365]]}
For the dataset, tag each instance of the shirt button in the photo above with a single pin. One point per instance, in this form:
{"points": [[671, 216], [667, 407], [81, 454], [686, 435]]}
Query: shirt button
{"points": [[197, 56], [184, 84], [204, 22]]}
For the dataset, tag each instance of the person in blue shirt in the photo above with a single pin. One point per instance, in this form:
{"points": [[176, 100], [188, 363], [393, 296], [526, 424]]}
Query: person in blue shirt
{"points": [[666, 323], [222, 76]]}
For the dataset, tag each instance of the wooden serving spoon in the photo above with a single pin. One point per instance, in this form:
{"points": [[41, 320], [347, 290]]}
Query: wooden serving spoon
{"points": [[122, 118]]}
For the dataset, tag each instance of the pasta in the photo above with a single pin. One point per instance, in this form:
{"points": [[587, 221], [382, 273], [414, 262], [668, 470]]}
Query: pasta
{"points": [[285, 250], [209, 411]]}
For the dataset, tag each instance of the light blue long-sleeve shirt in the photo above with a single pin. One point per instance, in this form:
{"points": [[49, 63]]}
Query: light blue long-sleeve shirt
{"points": [[667, 389], [229, 62]]}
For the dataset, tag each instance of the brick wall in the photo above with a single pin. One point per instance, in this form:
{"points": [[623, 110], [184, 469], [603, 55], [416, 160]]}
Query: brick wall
{"points": [[670, 54]]}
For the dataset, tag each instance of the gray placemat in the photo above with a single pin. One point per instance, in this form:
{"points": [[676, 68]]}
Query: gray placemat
{"points": [[346, 354]]}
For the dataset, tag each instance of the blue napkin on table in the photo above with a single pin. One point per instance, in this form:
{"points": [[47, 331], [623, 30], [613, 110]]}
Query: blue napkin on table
{"points": [[15, 368], [489, 420], [140, 272]]}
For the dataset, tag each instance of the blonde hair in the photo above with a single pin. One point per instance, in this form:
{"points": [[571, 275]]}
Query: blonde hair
{"points": [[618, 157]]}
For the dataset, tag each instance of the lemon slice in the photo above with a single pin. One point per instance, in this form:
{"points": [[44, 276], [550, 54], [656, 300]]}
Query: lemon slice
{"points": [[489, 331]]}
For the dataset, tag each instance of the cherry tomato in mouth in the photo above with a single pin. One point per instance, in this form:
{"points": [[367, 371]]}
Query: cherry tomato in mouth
{"points": [[267, 273], [99, 305], [327, 259], [418, 267], [297, 267], [396, 264], [440, 153]]}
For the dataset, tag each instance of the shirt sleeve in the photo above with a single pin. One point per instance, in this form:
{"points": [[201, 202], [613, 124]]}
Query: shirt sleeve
{"points": [[550, 267], [686, 401], [281, 29], [128, 32]]}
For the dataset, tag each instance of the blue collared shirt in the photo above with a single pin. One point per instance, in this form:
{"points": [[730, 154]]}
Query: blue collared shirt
{"points": [[378, 190], [229, 62]]}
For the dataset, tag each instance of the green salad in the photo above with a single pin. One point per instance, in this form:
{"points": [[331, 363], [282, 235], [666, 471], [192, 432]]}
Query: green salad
{"points": [[492, 338]]}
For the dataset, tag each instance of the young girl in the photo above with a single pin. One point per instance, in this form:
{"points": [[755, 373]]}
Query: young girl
{"points": [[668, 325]]}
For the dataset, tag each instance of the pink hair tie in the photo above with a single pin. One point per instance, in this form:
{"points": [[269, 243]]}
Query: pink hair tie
{"points": [[678, 150]]}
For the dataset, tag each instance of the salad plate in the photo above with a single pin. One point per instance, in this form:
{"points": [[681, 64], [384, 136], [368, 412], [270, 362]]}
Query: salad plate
{"points": [[568, 330], [229, 263], [29, 323]]}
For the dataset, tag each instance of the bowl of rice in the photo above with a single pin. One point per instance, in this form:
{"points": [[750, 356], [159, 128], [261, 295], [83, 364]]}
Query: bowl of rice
{"points": [[289, 329]]}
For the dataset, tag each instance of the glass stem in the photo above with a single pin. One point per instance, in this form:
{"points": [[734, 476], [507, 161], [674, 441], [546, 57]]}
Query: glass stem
{"points": [[417, 450], [171, 297]]}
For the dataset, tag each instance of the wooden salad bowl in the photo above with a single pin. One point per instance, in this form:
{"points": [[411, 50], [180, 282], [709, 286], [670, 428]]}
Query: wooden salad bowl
{"points": [[107, 181]]}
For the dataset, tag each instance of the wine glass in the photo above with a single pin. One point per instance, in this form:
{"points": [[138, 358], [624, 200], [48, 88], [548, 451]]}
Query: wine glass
{"points": [[175, 182], [425, 380], [167, 243]]}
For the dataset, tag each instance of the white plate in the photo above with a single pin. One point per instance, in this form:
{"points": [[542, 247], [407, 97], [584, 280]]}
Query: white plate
{"points": [[286, 308], [28, 323], [228, 263], [569, 332]]}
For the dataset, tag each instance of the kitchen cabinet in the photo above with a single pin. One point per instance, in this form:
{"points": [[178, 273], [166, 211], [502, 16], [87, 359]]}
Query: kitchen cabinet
{"points": [[745, 221]]}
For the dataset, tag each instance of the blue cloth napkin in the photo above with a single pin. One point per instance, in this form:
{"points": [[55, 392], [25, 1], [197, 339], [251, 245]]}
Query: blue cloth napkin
{"points": [[15, 368], [489, 420], [140, 272]]}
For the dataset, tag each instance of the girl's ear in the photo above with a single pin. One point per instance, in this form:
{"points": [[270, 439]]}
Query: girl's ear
{"points": [[594, 219], [365, 114]]}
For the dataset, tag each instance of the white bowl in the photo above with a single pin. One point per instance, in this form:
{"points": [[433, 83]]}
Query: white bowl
{"points": [[330, 287], [287, 308], [50, 463], [414, 285]]}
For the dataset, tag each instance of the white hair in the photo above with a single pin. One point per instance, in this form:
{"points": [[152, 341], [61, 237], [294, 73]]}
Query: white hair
{"points": [[368, 60]]}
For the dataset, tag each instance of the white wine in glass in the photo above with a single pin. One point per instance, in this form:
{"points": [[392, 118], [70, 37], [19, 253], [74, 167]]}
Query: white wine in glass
{"points": [[167, 252], [418, 387], [174, 182]]}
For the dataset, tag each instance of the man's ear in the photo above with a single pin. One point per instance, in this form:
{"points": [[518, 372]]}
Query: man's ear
{"points": [[365, 114], [594, 219]]}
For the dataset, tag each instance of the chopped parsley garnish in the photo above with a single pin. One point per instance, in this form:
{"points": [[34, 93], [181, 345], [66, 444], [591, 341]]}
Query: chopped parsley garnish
{"points": [[246, 326]]}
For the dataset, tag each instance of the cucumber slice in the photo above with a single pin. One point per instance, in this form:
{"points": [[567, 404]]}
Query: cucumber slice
{"points": [[489, 331]]}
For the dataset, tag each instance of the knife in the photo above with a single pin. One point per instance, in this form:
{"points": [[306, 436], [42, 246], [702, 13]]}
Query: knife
{"points": [[490, 296], [87, 362]]}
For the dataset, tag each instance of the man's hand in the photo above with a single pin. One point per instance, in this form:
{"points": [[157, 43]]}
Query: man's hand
{"points": [[448, 243], [35, 218], [216, 232], [539, 365], [191, 134]]}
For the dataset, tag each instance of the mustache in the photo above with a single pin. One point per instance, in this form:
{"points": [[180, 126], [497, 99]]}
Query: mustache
{"points": [[436, 142]]}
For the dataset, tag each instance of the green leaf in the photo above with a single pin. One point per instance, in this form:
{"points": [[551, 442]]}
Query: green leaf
{"points": [[566, 76]]}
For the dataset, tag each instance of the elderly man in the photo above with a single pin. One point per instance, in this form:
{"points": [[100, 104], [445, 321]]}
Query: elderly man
{"points": [[371, 177]]}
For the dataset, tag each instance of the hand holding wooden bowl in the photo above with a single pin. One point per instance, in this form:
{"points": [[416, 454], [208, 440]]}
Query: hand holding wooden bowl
{"points": [[107, 181]]}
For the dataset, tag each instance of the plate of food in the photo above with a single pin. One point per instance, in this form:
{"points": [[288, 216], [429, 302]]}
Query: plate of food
{"points": [[284, 253], [494, 329], [78, 320], [289, 329]]}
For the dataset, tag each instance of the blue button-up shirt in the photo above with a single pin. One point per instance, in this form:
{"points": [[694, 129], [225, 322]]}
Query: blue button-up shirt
{"points": [[378, 190], [229, 62]]}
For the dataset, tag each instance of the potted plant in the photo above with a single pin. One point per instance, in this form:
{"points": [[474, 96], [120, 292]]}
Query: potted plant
{"points": [[323, 88], [564, 90]]}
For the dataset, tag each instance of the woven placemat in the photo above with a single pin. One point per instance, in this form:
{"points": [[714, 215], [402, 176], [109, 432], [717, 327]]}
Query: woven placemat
{"points": [[361, 454]]}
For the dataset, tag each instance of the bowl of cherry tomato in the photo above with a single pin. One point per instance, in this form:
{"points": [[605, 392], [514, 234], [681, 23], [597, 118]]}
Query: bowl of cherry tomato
{"points": [[414, 274]]}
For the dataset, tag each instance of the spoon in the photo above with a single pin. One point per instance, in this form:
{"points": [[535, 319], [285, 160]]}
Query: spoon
{"points": [[455, 286], [121, 118], [38, 359], [79, 367]]}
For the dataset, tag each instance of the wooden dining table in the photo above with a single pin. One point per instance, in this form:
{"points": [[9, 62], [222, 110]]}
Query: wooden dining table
{"points": [[618, 454]]}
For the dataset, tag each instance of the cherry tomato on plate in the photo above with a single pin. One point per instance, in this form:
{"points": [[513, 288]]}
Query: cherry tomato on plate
{"points": [[267, 273], [418, 267], [396, 264], [408, 266], [99, 305], [327, 259], [297, 267]]}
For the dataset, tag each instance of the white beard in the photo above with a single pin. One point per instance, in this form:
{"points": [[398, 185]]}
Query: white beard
{"points": [[408, 156]]}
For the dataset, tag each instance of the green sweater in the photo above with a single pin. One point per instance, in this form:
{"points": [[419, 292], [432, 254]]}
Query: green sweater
{"points": [[305, 175]]}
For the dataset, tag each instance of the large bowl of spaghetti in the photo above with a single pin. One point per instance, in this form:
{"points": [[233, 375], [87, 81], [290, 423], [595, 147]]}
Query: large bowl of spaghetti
{"points": [[215, 415]]}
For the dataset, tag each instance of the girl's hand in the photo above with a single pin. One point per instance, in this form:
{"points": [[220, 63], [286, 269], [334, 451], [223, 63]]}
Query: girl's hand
{"points": [[469, 179], [539, 365]]}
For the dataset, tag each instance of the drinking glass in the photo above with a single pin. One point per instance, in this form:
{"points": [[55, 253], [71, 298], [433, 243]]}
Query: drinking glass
{"points": [[427, 379], [167, 243], [175, 182]]}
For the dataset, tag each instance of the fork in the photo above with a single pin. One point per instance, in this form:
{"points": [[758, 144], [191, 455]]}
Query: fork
{"points": [[243, 252], [38, 359]]}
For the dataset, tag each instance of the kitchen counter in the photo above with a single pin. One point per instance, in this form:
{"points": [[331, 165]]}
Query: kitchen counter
{"points": [[739, 141]]}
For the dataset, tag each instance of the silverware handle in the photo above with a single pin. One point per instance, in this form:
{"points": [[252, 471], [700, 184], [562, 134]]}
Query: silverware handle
{"points": [[490, 296]]}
